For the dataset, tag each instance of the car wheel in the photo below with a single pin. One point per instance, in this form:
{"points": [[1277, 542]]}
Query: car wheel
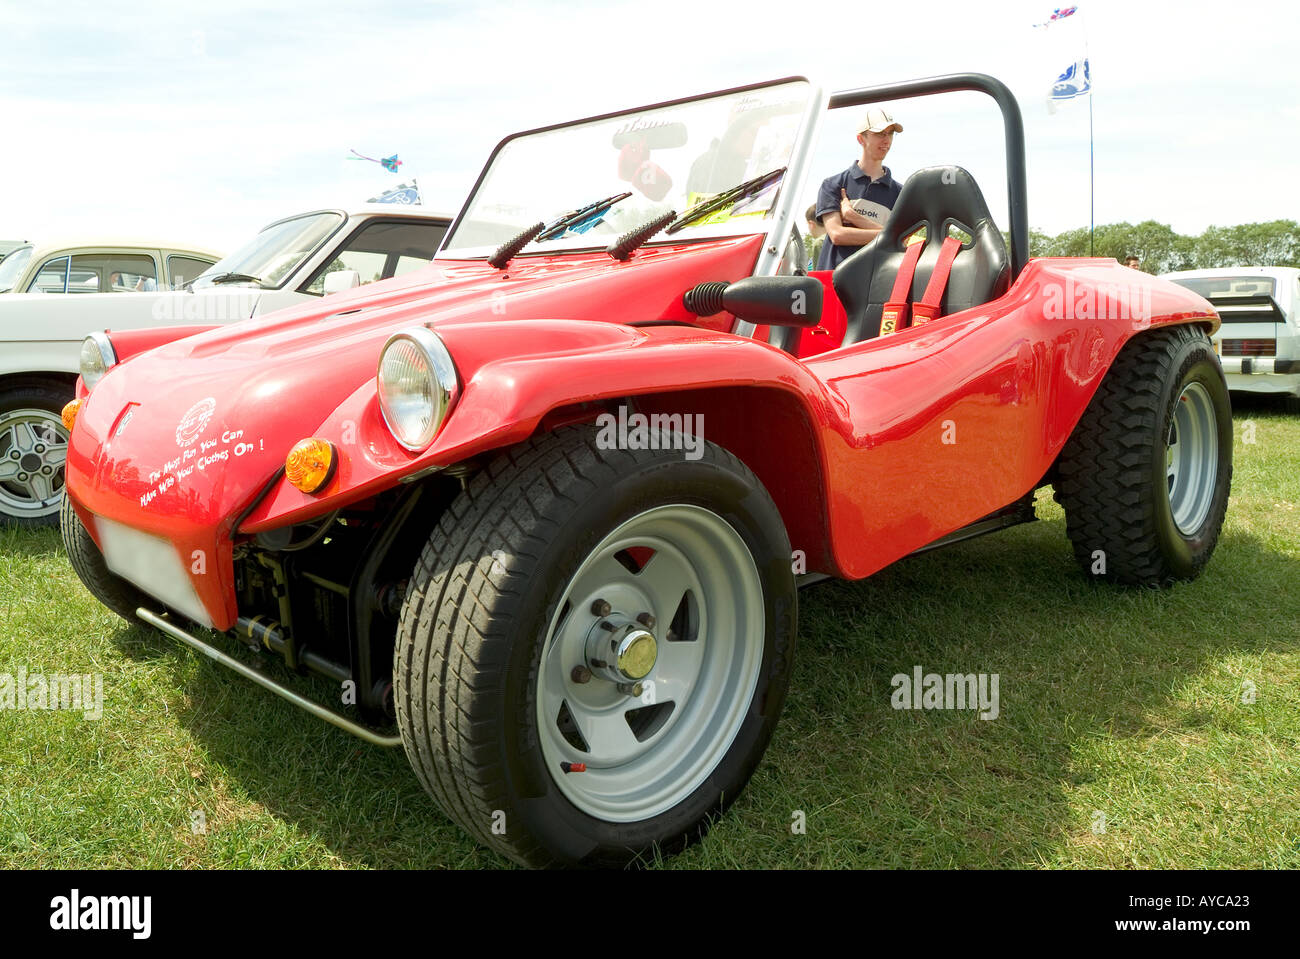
{"points": [[33, 448], [88, 563], [1145, 476], [595, 648]]}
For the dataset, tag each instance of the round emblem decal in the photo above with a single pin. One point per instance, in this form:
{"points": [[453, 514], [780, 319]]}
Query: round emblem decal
{"points": [[195, 421]]}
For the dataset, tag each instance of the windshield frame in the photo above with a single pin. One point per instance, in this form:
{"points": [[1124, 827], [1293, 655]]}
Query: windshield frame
{"points": [[297, 267], [23, 262], [777, 223]]}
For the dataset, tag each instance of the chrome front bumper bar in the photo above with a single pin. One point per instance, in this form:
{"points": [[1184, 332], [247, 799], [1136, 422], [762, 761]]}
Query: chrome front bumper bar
{"points": [[284, 692]]}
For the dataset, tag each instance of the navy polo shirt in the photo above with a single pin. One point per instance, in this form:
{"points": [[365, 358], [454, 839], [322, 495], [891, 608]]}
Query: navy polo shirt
{"points": [[858, 186]]}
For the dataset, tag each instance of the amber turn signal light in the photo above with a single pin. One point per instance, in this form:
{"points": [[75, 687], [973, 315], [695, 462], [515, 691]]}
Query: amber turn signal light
{"points": [[310, 464], [69, 414]]}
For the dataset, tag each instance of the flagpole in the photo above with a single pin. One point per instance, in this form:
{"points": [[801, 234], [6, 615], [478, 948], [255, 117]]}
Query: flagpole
{"points": [[1080, 86], [1092, 163], [1092, 178]]}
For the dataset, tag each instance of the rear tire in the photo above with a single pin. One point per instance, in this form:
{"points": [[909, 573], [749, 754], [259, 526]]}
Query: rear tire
{"points": [[33, 450], [1144, 478], [88, 563], [500, 613]]}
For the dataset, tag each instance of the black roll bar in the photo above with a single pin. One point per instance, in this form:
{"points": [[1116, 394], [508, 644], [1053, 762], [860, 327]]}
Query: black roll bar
{"points": [[1011, 122]]}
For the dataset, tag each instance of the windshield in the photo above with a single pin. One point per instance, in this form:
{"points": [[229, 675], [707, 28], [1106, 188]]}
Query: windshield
{"points": [[275, 252], [1208, 286], [11, 267], [670, 158]]}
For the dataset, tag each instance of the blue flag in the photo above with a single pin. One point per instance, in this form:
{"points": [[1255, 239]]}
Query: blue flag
{"points": [[402, 193], [1074, 82]]}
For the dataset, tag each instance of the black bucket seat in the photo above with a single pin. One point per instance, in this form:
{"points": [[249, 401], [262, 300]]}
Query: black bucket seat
{"points": [[937, 198]]}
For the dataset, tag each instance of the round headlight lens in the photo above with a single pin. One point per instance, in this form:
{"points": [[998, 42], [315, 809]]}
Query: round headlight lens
{"points": [[417, 386], [97, 358]]}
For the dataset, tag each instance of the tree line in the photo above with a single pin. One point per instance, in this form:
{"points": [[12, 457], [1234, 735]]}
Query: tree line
{"points": [[1161, 250]]}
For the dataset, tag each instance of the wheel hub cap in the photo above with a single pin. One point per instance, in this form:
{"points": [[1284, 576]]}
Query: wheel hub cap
{"points": [[621, 650], [636, 655]]}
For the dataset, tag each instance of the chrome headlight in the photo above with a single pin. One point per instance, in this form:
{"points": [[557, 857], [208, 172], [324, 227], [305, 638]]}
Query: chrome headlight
{"points": [[417, 386], [97, 358]]}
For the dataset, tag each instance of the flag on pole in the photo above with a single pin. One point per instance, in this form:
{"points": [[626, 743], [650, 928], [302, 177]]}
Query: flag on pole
{"points": [[1074, 82], [1060, 13], [402, 193]]}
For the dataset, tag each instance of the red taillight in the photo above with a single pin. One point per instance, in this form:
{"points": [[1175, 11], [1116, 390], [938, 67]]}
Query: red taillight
{"points": [[1249, 347]]}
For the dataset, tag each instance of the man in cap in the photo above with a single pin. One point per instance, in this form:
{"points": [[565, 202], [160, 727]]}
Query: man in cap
{"points": [[854, 205]]}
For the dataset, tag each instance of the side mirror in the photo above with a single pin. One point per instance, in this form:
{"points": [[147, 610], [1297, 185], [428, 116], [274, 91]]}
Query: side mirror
{"points": [[341, 280], [764, 300]]}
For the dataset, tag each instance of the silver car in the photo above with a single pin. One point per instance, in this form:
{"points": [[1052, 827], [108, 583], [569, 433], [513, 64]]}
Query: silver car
{"points": [[1259, 342]]}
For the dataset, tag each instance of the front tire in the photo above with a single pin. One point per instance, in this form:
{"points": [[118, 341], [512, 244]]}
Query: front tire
{"points": [[1145, 476], [501, 670]]}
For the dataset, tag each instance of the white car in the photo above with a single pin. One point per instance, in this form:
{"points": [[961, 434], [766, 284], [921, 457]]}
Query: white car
{"points": [[1259, 341], [101, 265], [288, 262]]}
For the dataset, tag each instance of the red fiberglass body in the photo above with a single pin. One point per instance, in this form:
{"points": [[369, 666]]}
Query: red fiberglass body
{"points": [[542, 507], [871, 451]]}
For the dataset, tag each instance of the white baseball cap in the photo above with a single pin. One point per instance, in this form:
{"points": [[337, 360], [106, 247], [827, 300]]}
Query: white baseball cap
{"points": [[878, 121]]}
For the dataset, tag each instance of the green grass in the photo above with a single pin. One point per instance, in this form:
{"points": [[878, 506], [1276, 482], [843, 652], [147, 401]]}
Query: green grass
{"points": [[1122, 704]]}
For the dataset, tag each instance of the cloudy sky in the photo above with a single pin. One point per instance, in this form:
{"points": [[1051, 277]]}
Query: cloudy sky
{"points": [[204, 121]]}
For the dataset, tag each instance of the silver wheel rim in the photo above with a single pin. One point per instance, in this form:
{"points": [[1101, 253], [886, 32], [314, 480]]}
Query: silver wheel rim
{"points": [[33, 451], [1192, 458], [645, 754]]}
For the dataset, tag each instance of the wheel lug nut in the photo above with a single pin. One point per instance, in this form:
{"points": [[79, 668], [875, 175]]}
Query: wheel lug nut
{"points": [[580, 674], [601, 608], [45, 470], [40, 448], [646, 620], [22, 477]]}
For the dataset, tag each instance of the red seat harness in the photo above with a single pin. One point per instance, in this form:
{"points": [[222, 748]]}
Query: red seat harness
{"points": [[896, 314]]}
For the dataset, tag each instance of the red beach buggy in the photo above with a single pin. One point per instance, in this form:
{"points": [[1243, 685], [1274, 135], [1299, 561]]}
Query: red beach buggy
{"points": [[545, 504]]}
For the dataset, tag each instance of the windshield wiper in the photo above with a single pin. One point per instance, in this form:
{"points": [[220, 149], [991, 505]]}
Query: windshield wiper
{"points": [[592, 211], [234, 278], [727, 197]]}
